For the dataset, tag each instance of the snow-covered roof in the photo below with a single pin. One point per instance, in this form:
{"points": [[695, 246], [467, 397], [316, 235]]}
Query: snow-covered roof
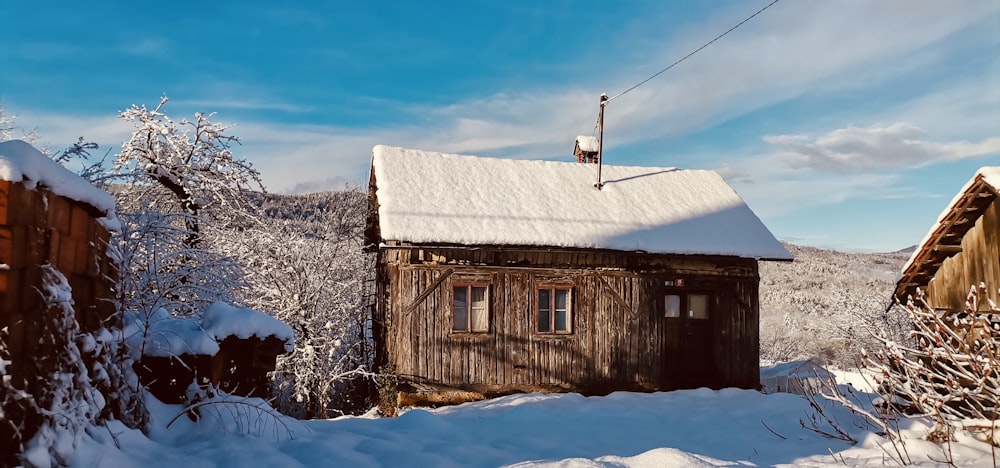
{"points": [[163, 335], [222, 320], [430, 198], [587, 143], [949, 228], [21, 162]]}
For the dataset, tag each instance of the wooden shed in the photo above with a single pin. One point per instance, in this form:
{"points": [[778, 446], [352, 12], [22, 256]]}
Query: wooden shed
{"points": [[497, 276], [962, 248]]}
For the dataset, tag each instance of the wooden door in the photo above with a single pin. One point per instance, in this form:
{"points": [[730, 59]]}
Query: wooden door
{"points": [[688, 354]]}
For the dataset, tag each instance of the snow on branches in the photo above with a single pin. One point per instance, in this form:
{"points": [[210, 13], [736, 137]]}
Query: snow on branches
{"points": [[948, 370], [191, 160], [182, 193]]}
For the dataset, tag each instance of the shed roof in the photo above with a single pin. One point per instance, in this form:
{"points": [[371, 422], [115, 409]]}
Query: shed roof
{"points": [[434, 198], [945, 237]]}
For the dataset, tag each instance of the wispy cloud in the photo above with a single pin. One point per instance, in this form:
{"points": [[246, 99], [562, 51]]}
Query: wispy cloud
{"points": [[146, 47], [855, 149]]}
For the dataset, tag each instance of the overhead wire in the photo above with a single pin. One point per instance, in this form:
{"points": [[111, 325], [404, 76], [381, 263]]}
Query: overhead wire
{"points": [[720, 36]]}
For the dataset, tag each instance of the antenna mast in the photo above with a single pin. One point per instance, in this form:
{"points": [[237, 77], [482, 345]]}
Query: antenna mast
{"points": [[600, 140]]}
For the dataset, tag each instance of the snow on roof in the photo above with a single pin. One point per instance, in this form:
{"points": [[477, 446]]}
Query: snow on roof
{"points": [[163, 335], [990, 175], [587, 143], [21, 162], [426, 197], [222, 320]]}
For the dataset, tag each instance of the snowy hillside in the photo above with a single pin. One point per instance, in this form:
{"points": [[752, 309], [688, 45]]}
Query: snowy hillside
{"points": [[824, 303]]}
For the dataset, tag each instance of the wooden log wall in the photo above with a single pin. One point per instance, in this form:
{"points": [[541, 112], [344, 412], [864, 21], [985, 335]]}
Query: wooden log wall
{"points": [[617, 319], [39, 227], [979, 261]]}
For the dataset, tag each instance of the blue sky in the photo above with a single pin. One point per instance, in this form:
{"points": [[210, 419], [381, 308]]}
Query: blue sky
{"points": [[846, 124]]}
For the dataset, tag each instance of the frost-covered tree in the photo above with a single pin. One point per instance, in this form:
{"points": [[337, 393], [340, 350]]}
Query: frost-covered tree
{"points": [[186, 167], [825, 304], [9, 129], [181, 192], [305, 264]]}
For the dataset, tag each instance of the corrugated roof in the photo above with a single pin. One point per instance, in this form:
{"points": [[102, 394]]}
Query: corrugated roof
{"points": [[434, 198]]}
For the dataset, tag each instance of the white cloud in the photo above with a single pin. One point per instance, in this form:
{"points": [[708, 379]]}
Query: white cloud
{"points": [[856, 149]]}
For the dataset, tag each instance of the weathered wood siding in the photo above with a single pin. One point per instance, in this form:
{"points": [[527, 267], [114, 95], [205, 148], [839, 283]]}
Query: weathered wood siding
{"points": [[979, 261], [618, 339]]}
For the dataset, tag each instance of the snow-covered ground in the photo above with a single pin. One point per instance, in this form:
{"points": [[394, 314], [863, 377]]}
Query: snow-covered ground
{"points": [[682, 428]]}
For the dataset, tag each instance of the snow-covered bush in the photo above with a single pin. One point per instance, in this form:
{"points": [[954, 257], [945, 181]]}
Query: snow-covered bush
{"points": [[948, 369], [77, 375], [305, 263]]}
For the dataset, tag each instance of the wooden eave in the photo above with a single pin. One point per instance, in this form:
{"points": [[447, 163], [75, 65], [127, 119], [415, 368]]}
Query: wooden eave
{"points": [[946, 239], [553, 249]]}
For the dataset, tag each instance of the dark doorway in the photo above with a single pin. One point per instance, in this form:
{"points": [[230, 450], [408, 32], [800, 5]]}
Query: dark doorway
{"points": [[688, 351]]}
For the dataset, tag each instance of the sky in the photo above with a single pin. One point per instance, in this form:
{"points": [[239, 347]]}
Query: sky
{"points": [[846, 125]]}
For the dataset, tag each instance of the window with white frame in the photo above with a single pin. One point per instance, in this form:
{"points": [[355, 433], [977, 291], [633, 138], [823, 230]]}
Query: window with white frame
{"points": [[693, 306], [471, 308], [554, 311]]}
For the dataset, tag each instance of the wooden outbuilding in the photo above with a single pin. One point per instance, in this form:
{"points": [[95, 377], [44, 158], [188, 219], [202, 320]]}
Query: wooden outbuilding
{"points": [[961, 250], [497, 276]]}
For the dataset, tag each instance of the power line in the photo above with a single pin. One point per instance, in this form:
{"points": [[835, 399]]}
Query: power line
{"points": [[692, 53]]}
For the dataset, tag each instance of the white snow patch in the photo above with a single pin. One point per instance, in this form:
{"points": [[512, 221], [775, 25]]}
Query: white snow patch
{"points": [[429, 198], [682, 428], [163, 335], [222, 320], [588, 144]]}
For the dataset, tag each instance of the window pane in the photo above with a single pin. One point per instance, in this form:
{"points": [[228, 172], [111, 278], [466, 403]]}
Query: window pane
{"points": [[698, 306], [480, 309], [673, 306], [561, 298], [562, 310], [544, 321], [561, 323], [544, 311], [461, 308]]}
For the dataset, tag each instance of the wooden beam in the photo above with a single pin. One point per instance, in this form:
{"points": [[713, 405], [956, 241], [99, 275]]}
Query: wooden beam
{"points": [[948, 249], [427, 292], [615, 296]]}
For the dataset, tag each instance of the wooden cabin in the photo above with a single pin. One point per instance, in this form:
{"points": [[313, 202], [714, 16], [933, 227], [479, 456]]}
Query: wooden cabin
{"points": [[961, 250], [497, 276]]}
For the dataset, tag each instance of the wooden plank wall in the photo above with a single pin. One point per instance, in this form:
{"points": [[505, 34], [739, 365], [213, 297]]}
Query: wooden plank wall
{"points": [[617, 338], [978, 262]]}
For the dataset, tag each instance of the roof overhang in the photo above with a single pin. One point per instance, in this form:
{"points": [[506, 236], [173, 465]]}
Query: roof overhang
{"points": [[945, 238]]}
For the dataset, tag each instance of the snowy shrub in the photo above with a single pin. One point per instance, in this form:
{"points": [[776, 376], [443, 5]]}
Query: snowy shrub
{"points": [[948, 369], [305, 263], [212, 411], [77, 374]]}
